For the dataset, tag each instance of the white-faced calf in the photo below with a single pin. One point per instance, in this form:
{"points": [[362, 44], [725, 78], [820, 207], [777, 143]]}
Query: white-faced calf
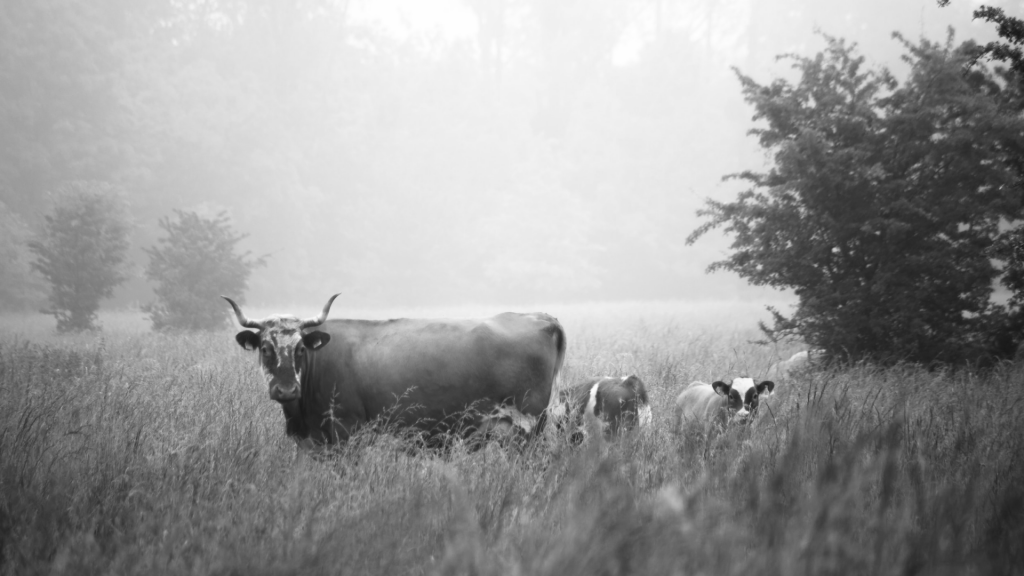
{"points": [[721, 402]]}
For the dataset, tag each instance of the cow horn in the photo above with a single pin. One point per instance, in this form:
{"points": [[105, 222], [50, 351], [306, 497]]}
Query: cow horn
{"points": [[245, 322], [310, 322]]}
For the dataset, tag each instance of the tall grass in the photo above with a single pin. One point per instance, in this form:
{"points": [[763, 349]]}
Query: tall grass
{"points": [[144, 453]]}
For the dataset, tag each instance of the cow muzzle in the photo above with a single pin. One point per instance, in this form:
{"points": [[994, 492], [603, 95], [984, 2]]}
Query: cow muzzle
{"points": [[284, 394]]}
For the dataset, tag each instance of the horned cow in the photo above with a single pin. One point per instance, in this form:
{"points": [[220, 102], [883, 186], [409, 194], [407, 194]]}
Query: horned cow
{"points": [[436, 376]]}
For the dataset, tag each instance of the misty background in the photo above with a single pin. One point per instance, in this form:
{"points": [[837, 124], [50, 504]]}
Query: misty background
{"points": [[420, 152]]}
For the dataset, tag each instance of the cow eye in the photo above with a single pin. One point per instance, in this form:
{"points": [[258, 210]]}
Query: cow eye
{"points": [[267, 351]]}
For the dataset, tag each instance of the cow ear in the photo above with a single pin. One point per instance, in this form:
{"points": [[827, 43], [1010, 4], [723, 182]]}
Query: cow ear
{"points": [[631, 381], [721, 388], [316, 339], [766, 386], [248, 339]]}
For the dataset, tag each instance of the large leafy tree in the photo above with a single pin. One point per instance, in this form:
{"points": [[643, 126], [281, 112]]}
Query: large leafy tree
{"points": [[81, 252], [1009, 49], [882, 203]]}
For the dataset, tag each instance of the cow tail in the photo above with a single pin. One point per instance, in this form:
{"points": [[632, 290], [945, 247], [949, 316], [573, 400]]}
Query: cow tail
{"points": [[556, 331]]}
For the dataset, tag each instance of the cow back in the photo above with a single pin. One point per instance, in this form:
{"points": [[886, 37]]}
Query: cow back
{"points": [[699, 401], [426, 373], [618, 403]]}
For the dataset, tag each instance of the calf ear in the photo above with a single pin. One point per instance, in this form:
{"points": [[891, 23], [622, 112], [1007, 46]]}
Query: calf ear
{"points": [[766, 386], [720, 388], [248, 339], [316, 339]]}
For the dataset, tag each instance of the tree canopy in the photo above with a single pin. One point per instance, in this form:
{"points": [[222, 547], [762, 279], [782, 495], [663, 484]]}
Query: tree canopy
{"points": [[883, 203], [1011, 31]]}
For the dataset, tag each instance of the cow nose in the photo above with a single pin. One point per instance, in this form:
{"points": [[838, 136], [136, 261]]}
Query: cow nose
{"points": [[284, 395]]}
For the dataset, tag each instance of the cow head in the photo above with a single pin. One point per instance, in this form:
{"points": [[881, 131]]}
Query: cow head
{"points": [[283, 347], [742, 396]]}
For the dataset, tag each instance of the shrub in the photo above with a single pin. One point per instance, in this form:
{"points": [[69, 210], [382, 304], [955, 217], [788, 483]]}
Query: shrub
{"points": [[81, 251], [192, 267]]}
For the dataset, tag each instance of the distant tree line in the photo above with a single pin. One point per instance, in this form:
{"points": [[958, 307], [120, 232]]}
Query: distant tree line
{"points": [[515, 155], [81, 252], [891, 208]]}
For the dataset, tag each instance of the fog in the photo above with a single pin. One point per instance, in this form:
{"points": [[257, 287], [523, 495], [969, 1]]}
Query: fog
{"points": [[424, 152]]}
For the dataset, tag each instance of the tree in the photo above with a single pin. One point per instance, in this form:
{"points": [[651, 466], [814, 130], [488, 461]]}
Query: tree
{"points": [[1010, 29], [882, 204], [1010, 249], [81, 251], [193, 266]]}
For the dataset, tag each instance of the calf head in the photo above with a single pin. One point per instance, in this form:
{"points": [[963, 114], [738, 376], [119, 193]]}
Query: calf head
{"points": [[283, 347], [742, 396]]}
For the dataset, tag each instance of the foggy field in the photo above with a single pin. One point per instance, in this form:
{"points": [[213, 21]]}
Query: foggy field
{"points": [[131, 452], [855, 166]]}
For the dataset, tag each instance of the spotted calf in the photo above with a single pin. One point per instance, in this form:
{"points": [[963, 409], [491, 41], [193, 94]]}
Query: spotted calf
{"points": [[721, 402], [614, 404]]}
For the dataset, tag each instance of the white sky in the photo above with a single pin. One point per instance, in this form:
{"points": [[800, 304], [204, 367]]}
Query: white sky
{"points": [[452, 18]]}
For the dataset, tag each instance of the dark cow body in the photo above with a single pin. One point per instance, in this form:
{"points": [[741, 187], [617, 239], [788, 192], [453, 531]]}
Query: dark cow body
{"points": [[420, 374], [617, 403]]}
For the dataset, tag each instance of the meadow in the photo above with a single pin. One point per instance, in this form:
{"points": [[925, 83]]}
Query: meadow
{"points": [[132, 452]]}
